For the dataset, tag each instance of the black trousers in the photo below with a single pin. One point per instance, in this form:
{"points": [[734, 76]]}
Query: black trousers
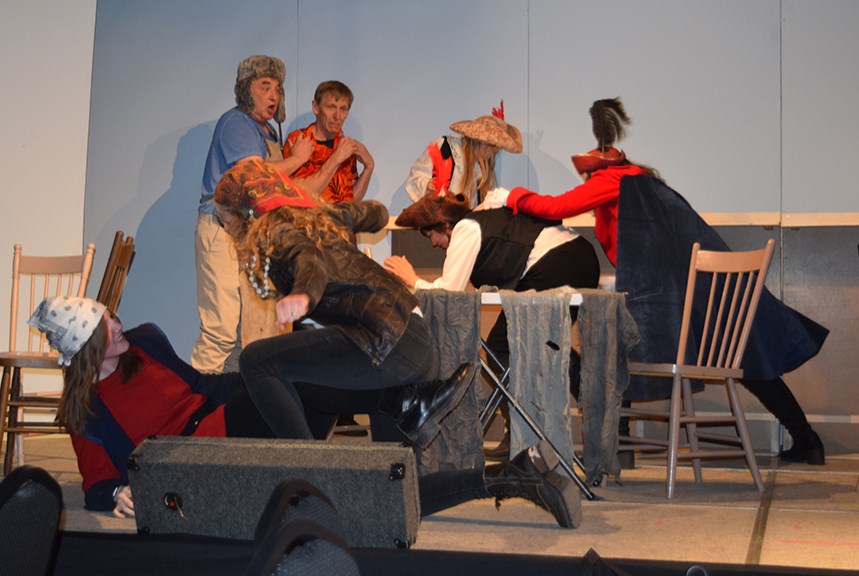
{"points": [[572, 264], [438, 491], [281, 372], [781, 403]]}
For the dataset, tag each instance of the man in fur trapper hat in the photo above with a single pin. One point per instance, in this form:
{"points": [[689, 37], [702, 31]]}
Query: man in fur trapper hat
{"points": [[242, 132], [257, 68]]}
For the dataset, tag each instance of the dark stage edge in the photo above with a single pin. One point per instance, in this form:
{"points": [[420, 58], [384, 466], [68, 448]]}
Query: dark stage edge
{"points": [[103, 554]]}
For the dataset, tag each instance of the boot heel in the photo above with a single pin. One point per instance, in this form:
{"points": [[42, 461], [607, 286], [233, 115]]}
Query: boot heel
{"points": [[816, 457], [543, 457]]}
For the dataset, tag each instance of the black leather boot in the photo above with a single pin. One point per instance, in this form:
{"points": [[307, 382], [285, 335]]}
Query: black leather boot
{"points": [[418, 409], [533, 475], [807, 448]]}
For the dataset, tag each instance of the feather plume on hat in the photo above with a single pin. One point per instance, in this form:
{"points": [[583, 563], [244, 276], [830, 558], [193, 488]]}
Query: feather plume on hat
{"points": [[609, 122]]}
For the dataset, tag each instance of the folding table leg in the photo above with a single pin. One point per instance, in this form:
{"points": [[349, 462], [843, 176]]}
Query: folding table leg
{"points": [[500, 389], [495, 399]]}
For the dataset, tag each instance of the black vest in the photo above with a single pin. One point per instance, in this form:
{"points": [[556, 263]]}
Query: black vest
{"points": [[506, 242]]}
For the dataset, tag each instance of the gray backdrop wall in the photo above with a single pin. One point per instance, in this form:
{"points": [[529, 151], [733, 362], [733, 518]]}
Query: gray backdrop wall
{"points": [[722, 95]]}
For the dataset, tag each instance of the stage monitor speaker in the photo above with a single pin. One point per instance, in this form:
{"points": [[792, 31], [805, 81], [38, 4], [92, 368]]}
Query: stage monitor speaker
{"points": [[219, 486]]}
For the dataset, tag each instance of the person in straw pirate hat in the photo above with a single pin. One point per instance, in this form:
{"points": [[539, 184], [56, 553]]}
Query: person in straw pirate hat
{"points": [[464, 162]]}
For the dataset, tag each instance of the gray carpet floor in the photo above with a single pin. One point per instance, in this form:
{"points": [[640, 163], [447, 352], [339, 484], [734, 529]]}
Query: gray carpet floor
{"points": [[807, 516]]}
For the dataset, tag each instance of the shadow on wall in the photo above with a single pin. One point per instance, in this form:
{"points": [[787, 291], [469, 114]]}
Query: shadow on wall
{"points": [[162, 284]]}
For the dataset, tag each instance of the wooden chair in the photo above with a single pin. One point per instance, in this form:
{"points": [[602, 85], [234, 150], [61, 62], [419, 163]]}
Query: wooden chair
{"points": [[115, 273], [719, 318], [33, 279]]}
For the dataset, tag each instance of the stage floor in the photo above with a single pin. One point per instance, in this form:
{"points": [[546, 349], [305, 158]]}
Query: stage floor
{"points": [[808, 517]]}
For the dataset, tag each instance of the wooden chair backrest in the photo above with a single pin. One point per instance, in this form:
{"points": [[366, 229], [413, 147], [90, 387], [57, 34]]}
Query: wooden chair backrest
{"points": [[35, 278], [727, 287], [116, 271]]}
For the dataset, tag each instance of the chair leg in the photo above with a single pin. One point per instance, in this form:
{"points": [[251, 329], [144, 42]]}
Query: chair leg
{"points": [[743, 430], [4, 407], [691, 428], [673, 436], [11, 419], [19, 448]]}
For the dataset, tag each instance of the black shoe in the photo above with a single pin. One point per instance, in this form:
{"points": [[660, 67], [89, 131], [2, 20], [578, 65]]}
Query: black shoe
{"points": [[500, 453], [807, 449], [418, 409], [533, 475]]}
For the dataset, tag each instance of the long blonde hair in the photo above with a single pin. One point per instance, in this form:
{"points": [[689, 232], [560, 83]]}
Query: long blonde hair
{"points": [[81, 376], [487, 173], [258, 239]]}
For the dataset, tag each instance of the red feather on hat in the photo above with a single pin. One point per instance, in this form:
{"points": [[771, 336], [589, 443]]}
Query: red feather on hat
{"points": [[499, 112]]}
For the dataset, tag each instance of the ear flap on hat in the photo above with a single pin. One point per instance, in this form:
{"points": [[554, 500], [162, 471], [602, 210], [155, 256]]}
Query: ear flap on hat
{"points": [[280, 114]]}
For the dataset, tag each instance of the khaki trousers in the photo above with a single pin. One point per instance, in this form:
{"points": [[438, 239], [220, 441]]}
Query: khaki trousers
{"points": [[231, 313]]}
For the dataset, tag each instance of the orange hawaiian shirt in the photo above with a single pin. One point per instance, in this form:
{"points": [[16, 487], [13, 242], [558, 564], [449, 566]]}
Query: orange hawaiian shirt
{"points": [[340, 187]]}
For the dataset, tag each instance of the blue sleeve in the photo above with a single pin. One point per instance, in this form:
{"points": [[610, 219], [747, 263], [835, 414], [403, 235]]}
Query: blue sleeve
{"points": [[239, 139], [236, 136]]}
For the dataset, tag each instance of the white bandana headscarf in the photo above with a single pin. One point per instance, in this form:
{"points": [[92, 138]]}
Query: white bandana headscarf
{"points": [[67, 322]]}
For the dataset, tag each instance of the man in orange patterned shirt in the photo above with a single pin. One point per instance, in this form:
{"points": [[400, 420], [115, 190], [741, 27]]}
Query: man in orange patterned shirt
{"points": [[333, 167]]}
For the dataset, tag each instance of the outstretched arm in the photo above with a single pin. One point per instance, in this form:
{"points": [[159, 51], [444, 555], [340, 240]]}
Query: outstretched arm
{"points": [[459, 261], [602, 187], [124, 503], [291, 309]]}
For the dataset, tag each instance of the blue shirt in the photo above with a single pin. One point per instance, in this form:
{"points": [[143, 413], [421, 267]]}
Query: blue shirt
{"points": [[236, 136]]}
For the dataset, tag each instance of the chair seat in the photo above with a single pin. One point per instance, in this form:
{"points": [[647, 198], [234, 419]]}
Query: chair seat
{"points": [[29, 360], [684, 370]]}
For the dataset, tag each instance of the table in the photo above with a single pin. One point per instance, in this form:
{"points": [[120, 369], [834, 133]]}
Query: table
{"points": [[500, 390]]}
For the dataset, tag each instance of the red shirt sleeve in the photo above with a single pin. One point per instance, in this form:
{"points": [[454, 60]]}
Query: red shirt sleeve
{"points": [[93, 462], [601, 188]]}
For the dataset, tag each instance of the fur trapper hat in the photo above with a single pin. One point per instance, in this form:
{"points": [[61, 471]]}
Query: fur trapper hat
{"points": [[253, 187], [432, 210], [254, 67], [67, 322]]}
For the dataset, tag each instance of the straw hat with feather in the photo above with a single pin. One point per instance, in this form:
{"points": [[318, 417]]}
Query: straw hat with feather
{"points": [[491, 129]]}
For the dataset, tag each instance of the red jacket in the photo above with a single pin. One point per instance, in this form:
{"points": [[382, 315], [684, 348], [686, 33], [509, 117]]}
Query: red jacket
{"points": [[599, 193], [158, 400]]}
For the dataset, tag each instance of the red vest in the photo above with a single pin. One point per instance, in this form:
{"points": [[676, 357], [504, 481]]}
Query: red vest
{"points": [[442, 166]]}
